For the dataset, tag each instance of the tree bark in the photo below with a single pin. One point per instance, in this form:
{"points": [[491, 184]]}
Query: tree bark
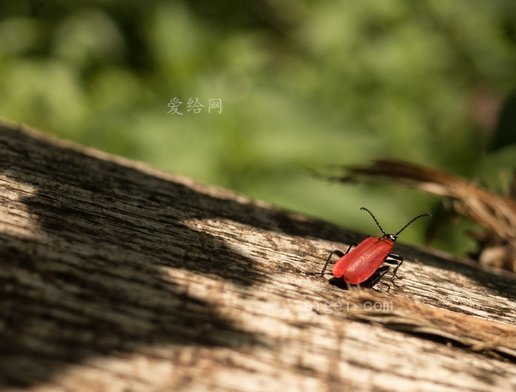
{"points": [[115, 276]]}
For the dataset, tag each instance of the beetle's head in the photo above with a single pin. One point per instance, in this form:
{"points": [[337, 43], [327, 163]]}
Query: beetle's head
{"points": [[392, 237]]}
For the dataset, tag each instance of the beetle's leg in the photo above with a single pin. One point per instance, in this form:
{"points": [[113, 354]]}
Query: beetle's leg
{"points": [[380, 272], [394, 259], [337, 252]]}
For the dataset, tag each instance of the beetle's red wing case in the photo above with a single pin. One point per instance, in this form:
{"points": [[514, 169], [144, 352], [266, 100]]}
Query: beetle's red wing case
{"points": [[359, 264]]}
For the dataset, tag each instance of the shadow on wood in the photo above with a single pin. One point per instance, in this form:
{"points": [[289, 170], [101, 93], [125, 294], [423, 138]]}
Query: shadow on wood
{"points": [[92, 283]]}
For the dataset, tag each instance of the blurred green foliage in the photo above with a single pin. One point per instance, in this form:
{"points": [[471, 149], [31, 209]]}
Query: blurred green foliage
{"points": [[303, 84]]}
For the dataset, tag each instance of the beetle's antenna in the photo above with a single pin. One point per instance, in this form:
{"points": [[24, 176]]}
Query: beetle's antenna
{"points": [[417, 217], [377, 224]]}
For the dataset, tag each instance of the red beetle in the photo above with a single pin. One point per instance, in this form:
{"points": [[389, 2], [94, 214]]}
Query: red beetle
{"points": [[360, 265]]}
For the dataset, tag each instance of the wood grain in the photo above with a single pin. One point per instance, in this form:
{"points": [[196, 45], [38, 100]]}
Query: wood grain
{"points": [[115, 276]]}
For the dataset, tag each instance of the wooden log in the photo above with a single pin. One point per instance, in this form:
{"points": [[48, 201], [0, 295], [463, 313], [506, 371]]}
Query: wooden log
{"points": [[115, 276]]}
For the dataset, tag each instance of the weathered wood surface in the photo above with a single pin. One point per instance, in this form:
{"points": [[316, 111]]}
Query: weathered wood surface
{"points": [[115, 276]]}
